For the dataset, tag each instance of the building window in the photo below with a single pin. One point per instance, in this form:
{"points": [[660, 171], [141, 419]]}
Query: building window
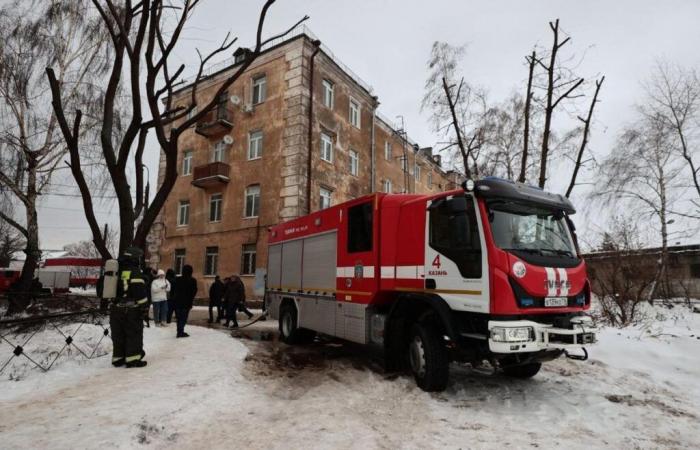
{"points": [[192, 112], [248, 259], [328, 96], [255, 145], [179, 260], [387, 186], [215, 208], [219, 152], [183, 213], [404, 163], [259, 89], [354, 163], [416, 173], [252, 201], [211, 261], [354, 113], [387, 150], [430, 179], [325, 198], [187, 162], [326, 148], [221, 110]]}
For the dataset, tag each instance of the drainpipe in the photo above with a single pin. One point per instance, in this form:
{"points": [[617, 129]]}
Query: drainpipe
{"points": [[309, 156], [373, 161]]}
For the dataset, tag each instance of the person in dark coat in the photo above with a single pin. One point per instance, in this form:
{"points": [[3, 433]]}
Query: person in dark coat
{"points": [[235, 300], [216, 293], [170, 276], [185, 291]]}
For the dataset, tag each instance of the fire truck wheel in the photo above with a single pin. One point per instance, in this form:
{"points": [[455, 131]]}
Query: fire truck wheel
{"points": [[428, 358], [524, 371], [290, 333]]}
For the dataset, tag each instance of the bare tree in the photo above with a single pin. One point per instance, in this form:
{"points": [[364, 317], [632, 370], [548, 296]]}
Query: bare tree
{"points": [[642, 175], [459, 110], [584, 138], [11, 240], [87, 249], [560, 85], [531, 63], [144, 36], [621, 276], [33, 36], [504, 151], [673, 97]]}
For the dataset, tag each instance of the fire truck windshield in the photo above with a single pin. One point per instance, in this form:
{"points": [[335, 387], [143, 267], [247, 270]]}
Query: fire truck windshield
{"points": [[530, 230]]}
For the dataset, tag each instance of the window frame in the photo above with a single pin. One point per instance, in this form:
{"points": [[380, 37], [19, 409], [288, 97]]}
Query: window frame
{"points": [[187, 158], [354, 162], [219, 204], [259, 147], [328, 89], [357, 113], [219, 148], [326, 139], [388, 188], [255, 208], [213, 253], [321, 197], [252, 258], [183, 205], [179, 253], [416, 173], [388, 151], [262, 91]]}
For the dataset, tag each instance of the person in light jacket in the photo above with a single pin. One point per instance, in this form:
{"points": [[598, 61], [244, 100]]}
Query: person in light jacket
{"points": [[160, 287]]}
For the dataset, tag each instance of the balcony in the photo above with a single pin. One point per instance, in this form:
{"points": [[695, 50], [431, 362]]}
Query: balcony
{"points": [[215, 122], [211, 175]]}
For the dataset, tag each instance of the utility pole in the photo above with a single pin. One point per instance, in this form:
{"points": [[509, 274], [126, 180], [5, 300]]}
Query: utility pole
{"points": [[404, 163]]}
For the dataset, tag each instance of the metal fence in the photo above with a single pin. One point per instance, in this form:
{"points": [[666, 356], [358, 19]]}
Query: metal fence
{"points": [[16, 336]]}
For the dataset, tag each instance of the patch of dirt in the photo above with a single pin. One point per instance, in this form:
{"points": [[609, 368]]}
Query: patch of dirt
{"points": [[629, 400]]}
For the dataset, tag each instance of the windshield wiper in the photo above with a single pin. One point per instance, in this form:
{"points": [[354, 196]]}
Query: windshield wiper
{"points": [[559, 252], [535, 251]]}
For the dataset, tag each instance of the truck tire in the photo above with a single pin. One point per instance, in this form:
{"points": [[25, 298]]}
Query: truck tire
{"points": [[524, 371], [290, 333], [428, 358]]}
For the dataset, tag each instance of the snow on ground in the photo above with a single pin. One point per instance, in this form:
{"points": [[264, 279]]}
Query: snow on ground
{"points": [[639, 390]]}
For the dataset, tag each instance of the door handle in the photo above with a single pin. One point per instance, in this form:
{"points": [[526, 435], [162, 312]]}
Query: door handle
{"points": [[430, 283]]}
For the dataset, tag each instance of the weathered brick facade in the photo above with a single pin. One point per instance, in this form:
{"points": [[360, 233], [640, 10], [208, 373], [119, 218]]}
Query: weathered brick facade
{"points": [[281, 171]]}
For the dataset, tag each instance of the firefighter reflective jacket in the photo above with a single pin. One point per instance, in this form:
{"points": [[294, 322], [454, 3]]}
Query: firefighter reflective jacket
{"points": [[134, 288]]}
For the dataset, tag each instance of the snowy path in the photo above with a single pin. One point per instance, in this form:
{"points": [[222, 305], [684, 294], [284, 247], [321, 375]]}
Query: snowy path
{"points": [[213, 391]]}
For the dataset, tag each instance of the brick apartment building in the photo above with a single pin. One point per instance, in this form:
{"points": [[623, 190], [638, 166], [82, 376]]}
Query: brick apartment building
{"points": [[246, 166]]}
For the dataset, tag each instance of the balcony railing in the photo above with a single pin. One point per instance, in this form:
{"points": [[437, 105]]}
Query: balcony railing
{"points": [[211, 175], [215, 122]]}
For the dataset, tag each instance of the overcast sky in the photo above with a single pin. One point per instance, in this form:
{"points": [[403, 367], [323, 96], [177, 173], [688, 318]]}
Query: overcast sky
{"points": [[387, 43]]}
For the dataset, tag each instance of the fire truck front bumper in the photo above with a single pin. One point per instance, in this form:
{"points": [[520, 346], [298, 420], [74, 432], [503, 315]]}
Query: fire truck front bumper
{"points": [[525, 336]]}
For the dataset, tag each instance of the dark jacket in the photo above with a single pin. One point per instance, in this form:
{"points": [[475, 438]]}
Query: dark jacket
{"points": [[235, 291], [185, 289], [170, 276], [216, 292]]}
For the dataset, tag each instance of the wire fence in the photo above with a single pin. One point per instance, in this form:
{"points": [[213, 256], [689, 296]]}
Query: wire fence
{"points": [[57, 334]]}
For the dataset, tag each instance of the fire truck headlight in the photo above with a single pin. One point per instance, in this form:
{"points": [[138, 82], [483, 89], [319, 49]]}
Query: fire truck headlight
{"points": [[514, 334]]}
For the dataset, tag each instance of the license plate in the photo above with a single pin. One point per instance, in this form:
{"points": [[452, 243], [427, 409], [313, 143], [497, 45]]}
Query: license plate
{"points": [[555, 301]]}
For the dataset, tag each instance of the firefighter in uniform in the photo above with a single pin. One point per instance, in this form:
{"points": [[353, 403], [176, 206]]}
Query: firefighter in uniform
{"points": [[126, 313]]}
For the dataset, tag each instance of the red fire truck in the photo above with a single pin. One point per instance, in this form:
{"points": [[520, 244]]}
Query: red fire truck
{"points": [[490, 272]]}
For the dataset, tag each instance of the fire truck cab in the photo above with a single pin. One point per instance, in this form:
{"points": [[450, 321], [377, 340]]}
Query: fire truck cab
{"points": [[490, 272]]}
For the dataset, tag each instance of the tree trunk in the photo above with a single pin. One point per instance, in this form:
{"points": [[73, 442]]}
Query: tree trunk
{"points": [[21, 299], [526, 131]]}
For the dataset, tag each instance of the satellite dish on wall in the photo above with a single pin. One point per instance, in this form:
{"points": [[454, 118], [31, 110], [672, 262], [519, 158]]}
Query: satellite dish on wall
{"points": [[228, 140], [236, 100]]}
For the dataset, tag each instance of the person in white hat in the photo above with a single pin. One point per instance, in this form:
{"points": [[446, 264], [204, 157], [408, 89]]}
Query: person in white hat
{"points": [[159, 296]]}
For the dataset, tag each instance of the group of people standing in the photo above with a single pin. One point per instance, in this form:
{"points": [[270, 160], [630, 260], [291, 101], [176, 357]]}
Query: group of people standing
{"points": [[228, 298], [170, 294]]}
